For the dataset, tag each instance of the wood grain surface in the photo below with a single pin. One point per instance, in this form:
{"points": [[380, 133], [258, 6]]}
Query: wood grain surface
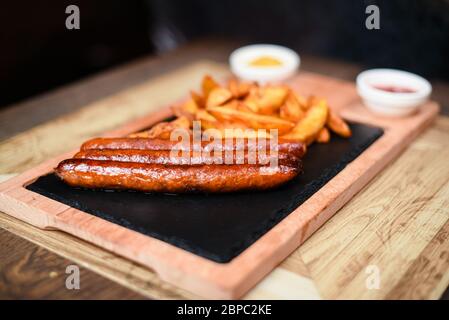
{"points": [[391, 226], [398, 224], [26, 276]]}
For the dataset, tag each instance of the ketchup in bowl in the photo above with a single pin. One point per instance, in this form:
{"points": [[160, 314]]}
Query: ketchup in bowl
{"points": [[394, 89], [392, 92]]}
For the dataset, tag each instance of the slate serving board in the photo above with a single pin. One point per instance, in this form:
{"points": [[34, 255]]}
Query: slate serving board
{"points": [[215, 226]]}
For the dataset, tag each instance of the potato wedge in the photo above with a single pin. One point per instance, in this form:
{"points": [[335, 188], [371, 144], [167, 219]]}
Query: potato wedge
{"points": [[237, 105], [207, 120], [312, 100], [252, 100], [323, 136], [234, 133], [243, 107], [251, 134], [233, 86], [163, 130], [199, 100], [208, 85], [255, 121], [239, 89], [338, 125], [187, 109], [181, 122], [301, 100], [291, 109], [218, 96], [308, 128], [229, 122], [270, 98], [235, 125], [233, 104]]}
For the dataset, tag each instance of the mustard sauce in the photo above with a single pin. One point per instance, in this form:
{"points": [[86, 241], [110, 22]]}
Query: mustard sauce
{"points": [[265, 61]]}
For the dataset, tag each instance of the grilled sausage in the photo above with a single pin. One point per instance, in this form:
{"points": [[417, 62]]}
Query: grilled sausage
{"points": [[291, 147], [172, 178], [185, 158]]}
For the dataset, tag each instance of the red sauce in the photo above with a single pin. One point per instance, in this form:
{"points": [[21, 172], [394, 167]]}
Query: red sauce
{"points": [[394, 89]]}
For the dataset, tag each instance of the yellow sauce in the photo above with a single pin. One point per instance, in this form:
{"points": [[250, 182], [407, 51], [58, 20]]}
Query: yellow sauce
{"points": [[265, 61]]}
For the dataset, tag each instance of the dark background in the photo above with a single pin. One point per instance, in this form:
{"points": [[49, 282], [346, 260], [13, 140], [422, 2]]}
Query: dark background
{"points": [[38, 53]]}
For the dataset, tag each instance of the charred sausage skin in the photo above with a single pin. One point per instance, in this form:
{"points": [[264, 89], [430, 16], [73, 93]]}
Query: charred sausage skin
{"points": [[145, 177], [185, 158], [294, 148]]}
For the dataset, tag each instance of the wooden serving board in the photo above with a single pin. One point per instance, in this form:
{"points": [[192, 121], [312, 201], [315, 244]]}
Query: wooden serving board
{"points": [[199, 275]]}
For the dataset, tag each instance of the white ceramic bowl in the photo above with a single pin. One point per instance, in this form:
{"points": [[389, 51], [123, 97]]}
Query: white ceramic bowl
{"points": [[240, 61], [383, 101]]}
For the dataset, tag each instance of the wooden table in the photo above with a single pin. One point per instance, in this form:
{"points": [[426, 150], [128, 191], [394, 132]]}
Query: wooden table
{"points": [[398, 225]]}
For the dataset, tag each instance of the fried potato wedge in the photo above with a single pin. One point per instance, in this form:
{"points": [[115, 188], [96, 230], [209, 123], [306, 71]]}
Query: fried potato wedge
{"points": [[234, 125], [268, 99], [291, 109], [235, 133], [323, 136], [255, 121], [181, 122], [218, 96], [252, 100], [187, 109], [232, 104], [228, 121], [163, 130], [243, 107], [207, 85], [301, 100], [207, 120], [307, 129], [199, 100], [237, 105], [240, 89], [338, 125]]}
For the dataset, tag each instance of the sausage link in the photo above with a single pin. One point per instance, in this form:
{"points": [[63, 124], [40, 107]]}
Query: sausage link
{"points": [[185, 158], [172, 179], [295, 148]]}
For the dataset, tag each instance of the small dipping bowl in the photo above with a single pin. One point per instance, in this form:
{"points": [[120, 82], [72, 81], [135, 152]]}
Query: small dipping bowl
{"points": [[392, 92], [264, 63]]}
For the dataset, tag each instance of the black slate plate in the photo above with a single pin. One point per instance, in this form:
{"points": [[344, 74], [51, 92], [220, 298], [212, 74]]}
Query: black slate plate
{"points": [[214, 226]]}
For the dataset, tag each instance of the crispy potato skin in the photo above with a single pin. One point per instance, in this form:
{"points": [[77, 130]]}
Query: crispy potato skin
{"points": [[307, 129], [291, 109], [96, 174], [218, 96], [208, 84], [338, 125], [253, 120], [323, 136]]}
